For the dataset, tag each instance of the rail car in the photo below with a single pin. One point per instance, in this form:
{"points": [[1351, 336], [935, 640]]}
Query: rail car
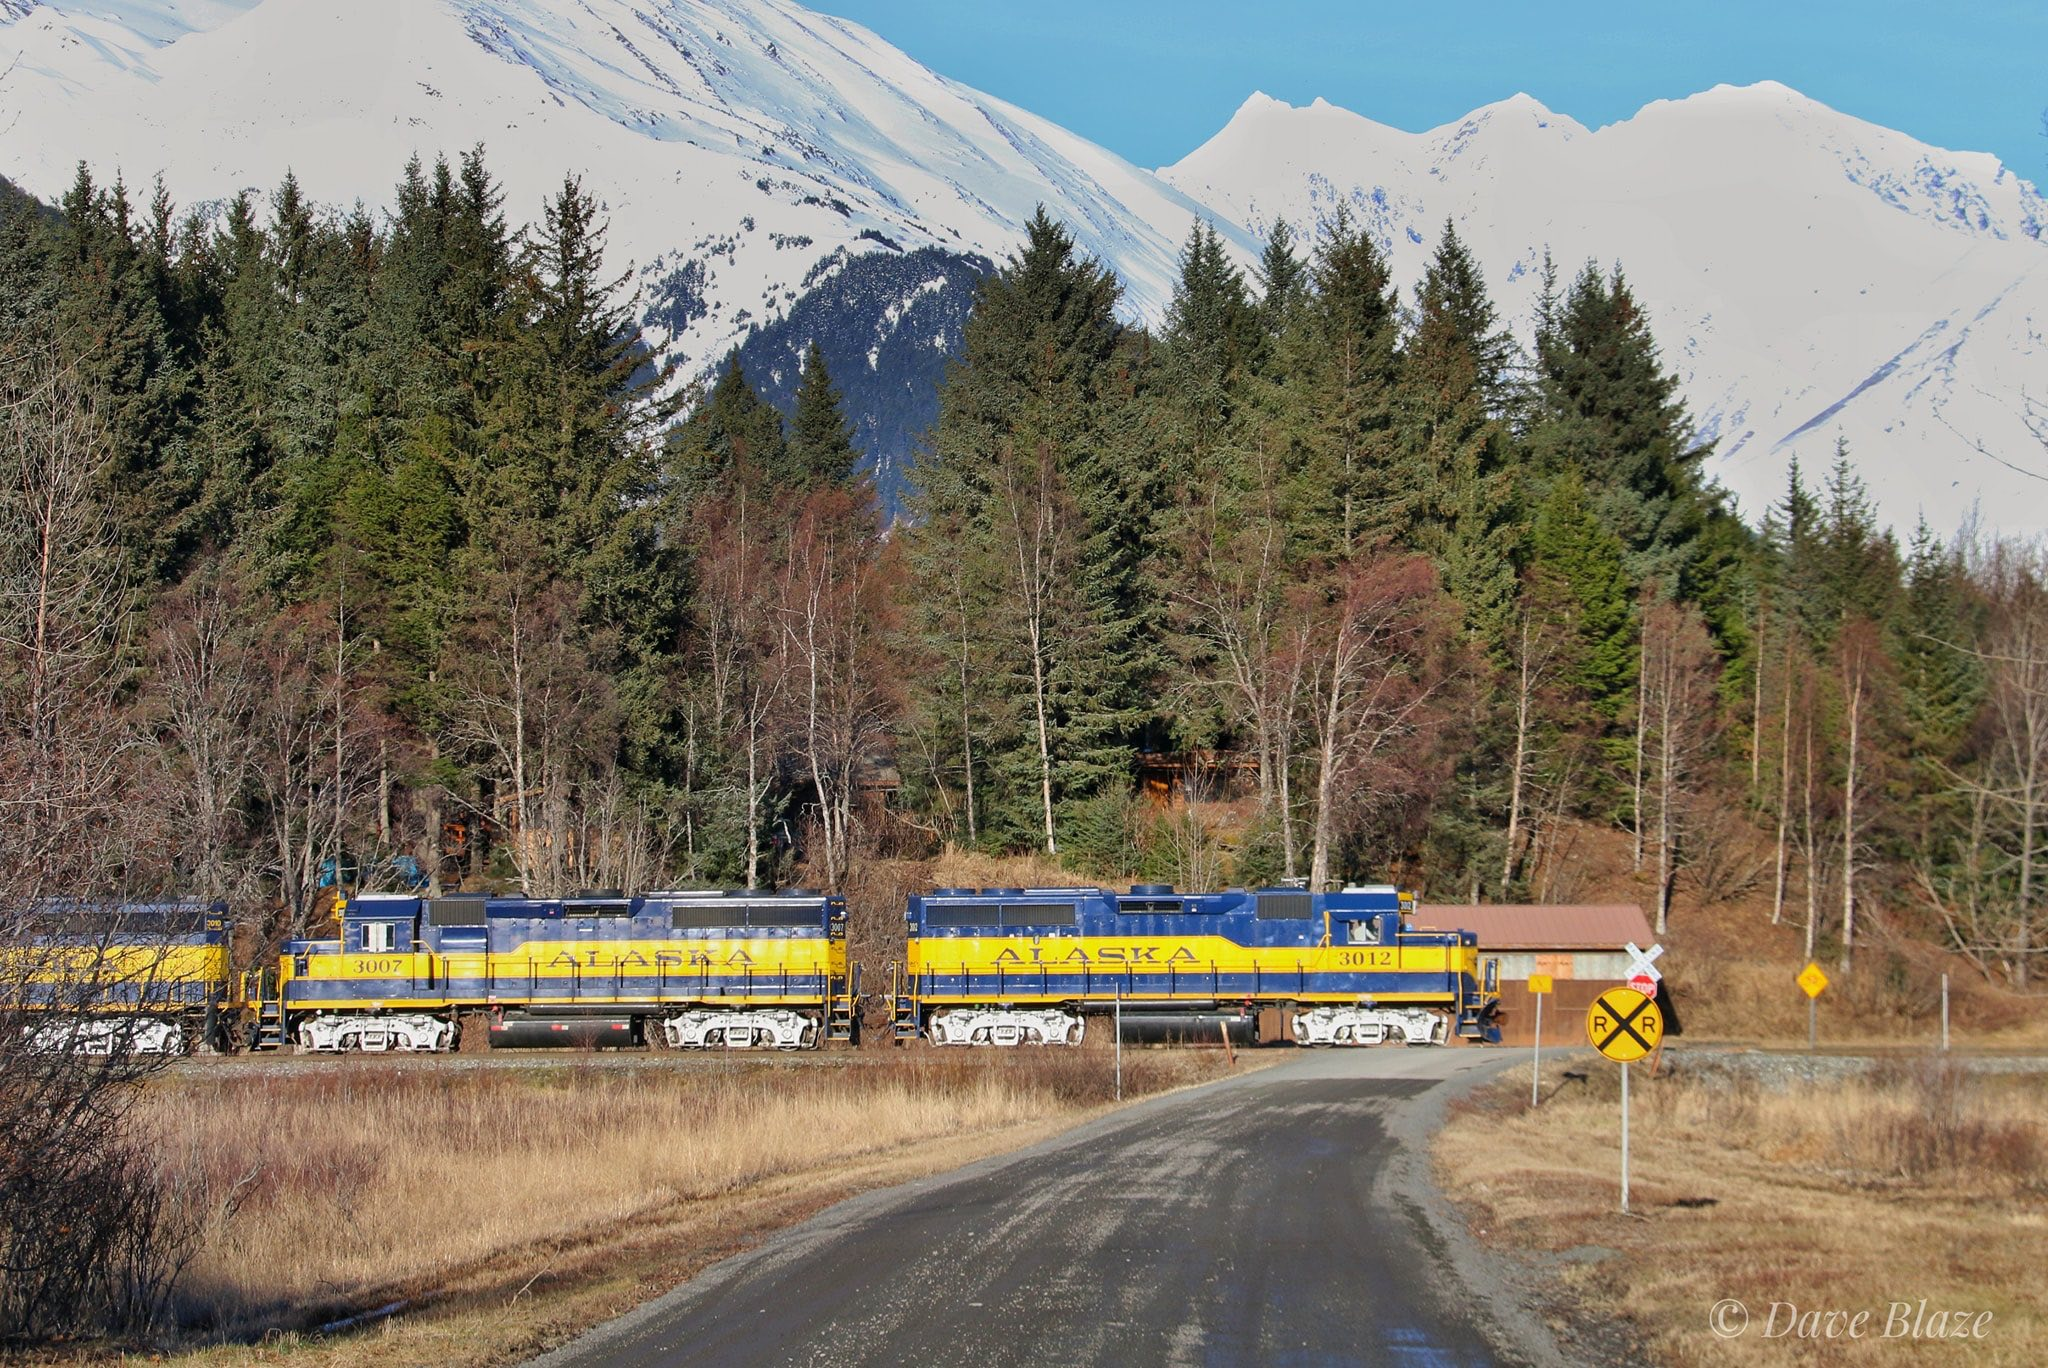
{"points": [[689, 970], [1008, 966], [132, 978]]}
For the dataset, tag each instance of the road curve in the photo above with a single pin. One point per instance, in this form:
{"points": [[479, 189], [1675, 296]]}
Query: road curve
{"points": [[1281, 1217]]}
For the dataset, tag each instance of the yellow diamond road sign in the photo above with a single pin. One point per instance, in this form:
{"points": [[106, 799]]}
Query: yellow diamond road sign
{"points": [[1624, 1025], [1813, 980], [1539, 983]]}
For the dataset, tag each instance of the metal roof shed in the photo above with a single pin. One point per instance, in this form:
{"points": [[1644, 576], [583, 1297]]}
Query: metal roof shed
{"points": [[1579, 946]]}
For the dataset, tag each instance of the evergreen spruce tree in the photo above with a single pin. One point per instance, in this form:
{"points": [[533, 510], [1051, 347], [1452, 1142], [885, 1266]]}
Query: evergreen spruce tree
{"points": [[1858, 571], [1453, 299], [821, 449], [1283, 289], [1453, 478], [1934, 625], [1586, 562], [733, 431], [1342, 370], [569, 457], [1034, 468], [1210, 336], [109, 323], [1606, 407]]}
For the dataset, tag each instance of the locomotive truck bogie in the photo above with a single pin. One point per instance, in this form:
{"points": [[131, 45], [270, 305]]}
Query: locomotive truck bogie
{"points": [[1005, 1026], [410, 1034], [1370, 1026], [100, 1037], [713, 1030]]}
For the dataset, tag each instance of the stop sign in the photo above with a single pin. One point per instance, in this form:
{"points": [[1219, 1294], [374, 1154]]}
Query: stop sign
{"points": [[1644, 984]]}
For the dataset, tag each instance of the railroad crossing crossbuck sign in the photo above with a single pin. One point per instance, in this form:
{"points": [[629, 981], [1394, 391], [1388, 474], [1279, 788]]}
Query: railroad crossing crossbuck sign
{"points": [[1624, 1024], [1643, 973]]}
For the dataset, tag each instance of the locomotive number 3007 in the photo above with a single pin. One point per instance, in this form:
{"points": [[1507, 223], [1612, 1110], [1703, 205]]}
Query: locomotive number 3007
{"points": [[1365, 959]]}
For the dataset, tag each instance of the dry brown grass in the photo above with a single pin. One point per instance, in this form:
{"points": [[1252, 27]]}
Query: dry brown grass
{"points": [[566, 1187], [957, 868], [1890, 999], [1916, 1181]]}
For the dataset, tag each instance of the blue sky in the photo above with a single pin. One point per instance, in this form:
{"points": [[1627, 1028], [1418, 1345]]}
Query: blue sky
{"points": [[1151, 79]]}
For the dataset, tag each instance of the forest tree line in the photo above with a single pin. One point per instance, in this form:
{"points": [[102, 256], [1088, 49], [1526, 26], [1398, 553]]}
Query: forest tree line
{"points": [[328, 534]]}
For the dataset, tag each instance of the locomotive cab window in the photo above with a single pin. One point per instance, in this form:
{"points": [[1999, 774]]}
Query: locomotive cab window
{"points": [[379, 937]]}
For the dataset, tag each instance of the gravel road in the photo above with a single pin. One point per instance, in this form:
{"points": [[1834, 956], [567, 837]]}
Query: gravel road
{"points": [[1281, 1217]]}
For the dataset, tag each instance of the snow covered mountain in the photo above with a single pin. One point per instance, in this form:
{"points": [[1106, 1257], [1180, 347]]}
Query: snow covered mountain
{"points": [[773, 172], [1809, 275], [754, 137]]}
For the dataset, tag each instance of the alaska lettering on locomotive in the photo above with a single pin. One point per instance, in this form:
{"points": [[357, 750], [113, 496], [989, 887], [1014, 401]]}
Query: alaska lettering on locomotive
{"points": [[1106, 954]]}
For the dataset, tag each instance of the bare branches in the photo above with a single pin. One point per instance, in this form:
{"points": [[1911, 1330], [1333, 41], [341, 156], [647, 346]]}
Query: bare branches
{"points": [[834, 619], [1679, 724], [1990, 893], [84, 1239], [527, 700], [200, 707], [1374, 663], [61, 588]]}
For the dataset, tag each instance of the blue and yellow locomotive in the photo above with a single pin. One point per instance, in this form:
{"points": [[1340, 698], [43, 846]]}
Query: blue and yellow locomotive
{"points": [[683, 969], [135, 977], [1029, 965]]}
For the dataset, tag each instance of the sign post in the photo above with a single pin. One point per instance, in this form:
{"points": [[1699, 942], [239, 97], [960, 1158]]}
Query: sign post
{"points": [[1944, 1013], [1624, 1025], [1539, 987], [1119, 1041], [1814, 983], [1624, 1139]]}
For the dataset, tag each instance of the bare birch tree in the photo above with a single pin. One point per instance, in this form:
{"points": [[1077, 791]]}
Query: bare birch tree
{"points": [[1036, 520], [833, 620], [311, 735], [1677, 693], [1376, 664], [87, 1243], [1231, 595], [1857, 649], [1991, 895], [200, 704], [525, 699], [739, 645], [1538, 651]]}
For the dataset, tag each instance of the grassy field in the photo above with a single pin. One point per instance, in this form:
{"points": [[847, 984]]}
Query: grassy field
{"points": [[1907, 1181], [510, 1207]]}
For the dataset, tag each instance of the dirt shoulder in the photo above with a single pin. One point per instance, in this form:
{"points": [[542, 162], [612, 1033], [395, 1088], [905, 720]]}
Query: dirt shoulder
{"points": [[503, 1211], [1774, 1199], [527, 1301]]}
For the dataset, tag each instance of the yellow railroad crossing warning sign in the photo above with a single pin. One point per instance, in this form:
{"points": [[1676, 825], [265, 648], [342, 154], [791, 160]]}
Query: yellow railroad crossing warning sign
{"points": [[1813, 980], [1539, 983], [1624, 1025]]}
